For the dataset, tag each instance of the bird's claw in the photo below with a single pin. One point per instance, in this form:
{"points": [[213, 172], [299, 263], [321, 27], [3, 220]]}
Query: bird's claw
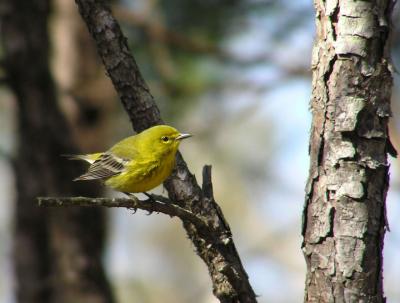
{"points": [[130, 195]]}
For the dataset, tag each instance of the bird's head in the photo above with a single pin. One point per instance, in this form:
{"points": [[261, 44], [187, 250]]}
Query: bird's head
{"points": [[163, 139]]}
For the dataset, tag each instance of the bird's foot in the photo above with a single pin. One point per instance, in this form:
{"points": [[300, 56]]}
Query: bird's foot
{"points": [[131, 195]]}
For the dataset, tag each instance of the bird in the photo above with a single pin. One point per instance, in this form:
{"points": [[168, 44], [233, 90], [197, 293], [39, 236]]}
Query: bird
{"points": [[137, 163]]}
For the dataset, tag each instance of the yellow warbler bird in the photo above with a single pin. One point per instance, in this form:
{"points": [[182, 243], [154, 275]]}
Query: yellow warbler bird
{"points": [[137, 163]]}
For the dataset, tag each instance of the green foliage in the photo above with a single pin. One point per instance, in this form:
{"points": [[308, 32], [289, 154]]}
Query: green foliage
{"points": [[205, 19]]}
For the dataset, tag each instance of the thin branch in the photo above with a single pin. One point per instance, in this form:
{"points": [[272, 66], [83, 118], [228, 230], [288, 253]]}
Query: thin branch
{"points": [[164, 34], [158, 204], [208, 191]]}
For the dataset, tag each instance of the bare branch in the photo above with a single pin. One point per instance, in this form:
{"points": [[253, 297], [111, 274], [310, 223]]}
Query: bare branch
{"points": [[158, 204]]}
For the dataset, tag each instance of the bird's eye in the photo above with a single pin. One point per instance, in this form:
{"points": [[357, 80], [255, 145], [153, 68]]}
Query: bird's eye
{"points": [[165, 139]]}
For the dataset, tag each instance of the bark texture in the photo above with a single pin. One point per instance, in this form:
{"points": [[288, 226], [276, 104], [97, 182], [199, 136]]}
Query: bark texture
{"points": [[344, 215], [230, 281], [57, 254]]}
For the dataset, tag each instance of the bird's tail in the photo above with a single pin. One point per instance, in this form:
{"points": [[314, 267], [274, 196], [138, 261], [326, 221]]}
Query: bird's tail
{"points": [[90, 158]]}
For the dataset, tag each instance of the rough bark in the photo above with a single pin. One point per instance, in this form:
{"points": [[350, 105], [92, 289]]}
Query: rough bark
{"points": [[230, 281], [56, 253], [344, 215]]}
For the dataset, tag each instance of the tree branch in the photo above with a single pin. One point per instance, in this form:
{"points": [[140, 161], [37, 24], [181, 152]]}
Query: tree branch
{"points": [[164, 34], [230, 281], [158, 204]]}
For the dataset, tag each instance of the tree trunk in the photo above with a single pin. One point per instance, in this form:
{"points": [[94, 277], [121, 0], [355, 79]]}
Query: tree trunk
{"points": [[57, 254], [344, 215], [84, 91]]}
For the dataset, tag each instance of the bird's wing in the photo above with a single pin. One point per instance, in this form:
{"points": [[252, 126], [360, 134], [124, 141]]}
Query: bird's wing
{"points": [[126, 148], [106, 166]]}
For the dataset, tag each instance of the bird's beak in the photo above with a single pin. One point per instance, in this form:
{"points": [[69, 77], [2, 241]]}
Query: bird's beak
{"points": [[183, 136]]}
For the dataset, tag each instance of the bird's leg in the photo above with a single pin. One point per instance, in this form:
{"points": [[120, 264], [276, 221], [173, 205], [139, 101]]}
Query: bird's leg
{"points": [[149, 196], [130, 195], [133, 197]]}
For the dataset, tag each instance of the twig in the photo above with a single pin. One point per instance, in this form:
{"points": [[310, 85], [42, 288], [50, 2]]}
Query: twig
{"points": [[157, 204]]}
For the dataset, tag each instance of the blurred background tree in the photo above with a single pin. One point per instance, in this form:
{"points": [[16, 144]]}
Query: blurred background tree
{"points": [[235, 74], [57, 254]]}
